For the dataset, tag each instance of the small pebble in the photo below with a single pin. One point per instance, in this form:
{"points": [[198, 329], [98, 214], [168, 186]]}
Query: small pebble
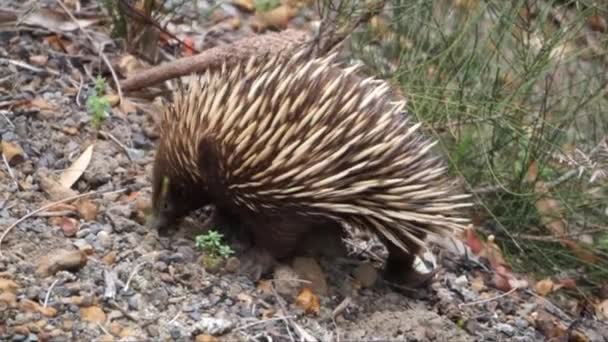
{"points": [[105, 240]]}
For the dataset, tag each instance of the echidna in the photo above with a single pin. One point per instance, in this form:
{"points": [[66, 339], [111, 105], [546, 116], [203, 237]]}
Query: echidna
{"points": [[285, 145]]}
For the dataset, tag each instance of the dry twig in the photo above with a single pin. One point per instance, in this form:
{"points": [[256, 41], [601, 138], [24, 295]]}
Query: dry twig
{"points": [[258, 45], [98, 48]]}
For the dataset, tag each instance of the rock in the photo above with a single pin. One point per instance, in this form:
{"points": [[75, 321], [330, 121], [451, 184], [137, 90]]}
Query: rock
{"points": [[84, 246], [93, 314], [506, 329], [366, 274], [214, 326], [61, 260], [105, 240], [309, 269], [286, 281]]}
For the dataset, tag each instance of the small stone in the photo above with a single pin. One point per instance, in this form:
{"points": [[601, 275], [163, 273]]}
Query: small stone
{"points": [[152, 330], [176, 334], [93, 314], [105, 240], [461, 281], [310, 270], [84, 246], [521, 323], [506, 329], [135, 302], [60, 260], [214, 326], [366, 274]]}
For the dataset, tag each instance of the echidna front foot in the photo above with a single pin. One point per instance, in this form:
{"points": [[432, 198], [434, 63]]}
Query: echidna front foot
{"points": [[400, 272], [256, 262]]}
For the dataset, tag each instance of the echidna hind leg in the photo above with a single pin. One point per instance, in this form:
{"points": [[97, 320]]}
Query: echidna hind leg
{"points": [[400, 271]]}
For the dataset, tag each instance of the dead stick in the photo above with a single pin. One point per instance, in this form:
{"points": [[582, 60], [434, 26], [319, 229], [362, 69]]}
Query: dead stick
{"points": [[258, 45]]}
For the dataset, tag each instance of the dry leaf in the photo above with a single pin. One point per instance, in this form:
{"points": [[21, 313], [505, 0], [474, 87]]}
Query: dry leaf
{"points": [[71, 175], [276, 18], [532, 172], [39, 60], [550, 211], [55, 190], [544, 287], [308, 301], [478, 284], [41, 104], [473, 241], [265, 286], [601, 310], [54, 20], [245, 5], [597, 23], [87, 210], [12, 152]]}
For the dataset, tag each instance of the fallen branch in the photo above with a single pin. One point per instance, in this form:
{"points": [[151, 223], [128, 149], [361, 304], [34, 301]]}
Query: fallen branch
{"points": [[272, 42]]}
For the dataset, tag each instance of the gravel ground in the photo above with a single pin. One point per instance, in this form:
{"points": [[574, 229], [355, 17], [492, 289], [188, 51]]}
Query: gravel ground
{"points": [[91, 270]]}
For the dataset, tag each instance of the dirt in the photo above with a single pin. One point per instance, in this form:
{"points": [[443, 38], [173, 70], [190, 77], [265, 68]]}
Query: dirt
{"points": [[99, 274]]}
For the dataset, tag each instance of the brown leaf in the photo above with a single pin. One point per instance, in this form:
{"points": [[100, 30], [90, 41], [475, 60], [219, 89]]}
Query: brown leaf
{"points": [[7, 285], [532, 172], [245, 5], [93, 314], [478, 284], [87, 210], [265, 286], [473, 241], [601, 310], [550, 211], [12, 152], [597, 23], [544, 287], [54, 20], [55, 190], [276, 18], [71, 174], [31, 306], [308, 301]]}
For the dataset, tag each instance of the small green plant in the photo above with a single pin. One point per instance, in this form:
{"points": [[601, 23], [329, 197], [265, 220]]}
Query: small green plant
{"points": [[214, 249], [97, 104]]}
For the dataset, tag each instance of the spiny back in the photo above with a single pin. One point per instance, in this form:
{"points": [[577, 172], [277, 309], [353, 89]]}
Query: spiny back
{"points": [[313, 137]]}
